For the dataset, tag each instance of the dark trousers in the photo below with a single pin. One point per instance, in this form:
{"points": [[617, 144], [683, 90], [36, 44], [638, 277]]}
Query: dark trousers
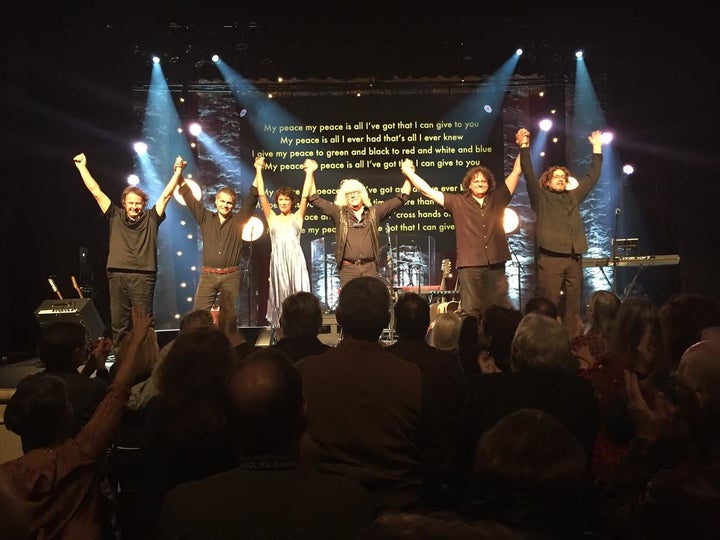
{"points": [[210, 285], [481, 286], [556, 274], [125, 290], [351, 271]]}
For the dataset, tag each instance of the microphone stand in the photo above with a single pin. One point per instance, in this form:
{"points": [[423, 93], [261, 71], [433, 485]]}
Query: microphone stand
{"points": [[613, 259], [391, 329]]}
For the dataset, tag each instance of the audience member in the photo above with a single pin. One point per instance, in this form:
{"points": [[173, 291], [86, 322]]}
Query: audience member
{"points": [[228, 323], [62, 350], [365, 404], [541, 305], [635, 346], [187, 434], [543, 375], [58, 479], [442, 385], [145, 390], [397, 525], [667, 485], [301, 320], [601, 311], [530, 474], [444, 332], [267, 495], [496, 330], [468, 342]]}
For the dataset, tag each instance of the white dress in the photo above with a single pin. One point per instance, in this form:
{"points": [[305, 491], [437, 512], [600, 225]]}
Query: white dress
{"points": [[288, 268]]}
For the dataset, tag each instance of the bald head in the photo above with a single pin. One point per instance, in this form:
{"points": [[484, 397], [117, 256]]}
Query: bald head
{"points": [[699, 369]]}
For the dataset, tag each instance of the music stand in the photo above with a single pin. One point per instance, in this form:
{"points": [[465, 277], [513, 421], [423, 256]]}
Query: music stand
{"points": [[251, 231]]}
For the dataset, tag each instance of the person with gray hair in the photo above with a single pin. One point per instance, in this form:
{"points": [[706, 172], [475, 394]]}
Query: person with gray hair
{"points": [[543, 375], [542, 344], [357, 246]]}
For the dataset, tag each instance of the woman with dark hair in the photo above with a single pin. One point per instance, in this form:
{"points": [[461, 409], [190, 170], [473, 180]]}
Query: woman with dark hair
{"points": [[187, 433], [288, 267]]}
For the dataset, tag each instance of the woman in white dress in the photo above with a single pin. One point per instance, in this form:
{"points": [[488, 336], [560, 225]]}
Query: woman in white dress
{"points": [[288, 267]]}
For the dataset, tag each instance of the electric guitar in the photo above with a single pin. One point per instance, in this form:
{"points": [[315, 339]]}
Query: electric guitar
{"points": [[76, 287], [54, 288], [443, 305]]}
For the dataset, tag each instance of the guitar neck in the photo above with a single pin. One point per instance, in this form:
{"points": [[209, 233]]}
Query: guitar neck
{"points": [[76, 287]]}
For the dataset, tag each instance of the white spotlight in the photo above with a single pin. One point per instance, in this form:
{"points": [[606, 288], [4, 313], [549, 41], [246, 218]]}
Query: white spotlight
{"points": [[194, 189], [156, 59], [511, 221], [140, 148], [195, 129], [628, 169], [215, 58], [518, 52], [545, 124], [578, 54], [487, 109], [607, 137], [133, 179]]}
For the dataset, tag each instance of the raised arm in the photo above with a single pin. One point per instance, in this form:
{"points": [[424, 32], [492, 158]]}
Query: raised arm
{"points": [[512, 179], [90, 183], [408, 169], [595, 139], [260, 185], [310, 166], [175, 180]]}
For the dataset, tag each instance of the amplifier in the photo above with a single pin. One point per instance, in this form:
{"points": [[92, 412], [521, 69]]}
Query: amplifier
{"points": [[81, 310]]}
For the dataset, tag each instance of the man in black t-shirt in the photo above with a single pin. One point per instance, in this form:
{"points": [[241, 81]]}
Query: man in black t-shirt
{"points": [[132, 255]]}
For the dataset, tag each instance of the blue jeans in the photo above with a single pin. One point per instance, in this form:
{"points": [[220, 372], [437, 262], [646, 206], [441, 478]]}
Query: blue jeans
{"points": [[210, 285], [126, 289]]}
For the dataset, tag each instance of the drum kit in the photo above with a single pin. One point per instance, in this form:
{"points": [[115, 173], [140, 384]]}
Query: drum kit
{"points": [[403, 266]]}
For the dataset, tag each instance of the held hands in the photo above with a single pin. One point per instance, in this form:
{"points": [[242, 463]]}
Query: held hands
{"points": [[522, 137], [310, 165], [179, 163], [407, 167]]}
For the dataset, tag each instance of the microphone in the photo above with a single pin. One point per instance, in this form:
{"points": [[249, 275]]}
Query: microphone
{"points": [[617, 211]]}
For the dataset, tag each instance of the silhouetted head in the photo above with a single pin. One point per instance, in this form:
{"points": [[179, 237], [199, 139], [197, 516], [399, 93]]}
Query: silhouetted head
{"points": [[364, 308], [39, 411], [412, 315], [301, 315], [267, 408]]}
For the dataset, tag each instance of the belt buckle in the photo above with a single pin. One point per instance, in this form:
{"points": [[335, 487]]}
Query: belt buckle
{"points": [[357, 262]]}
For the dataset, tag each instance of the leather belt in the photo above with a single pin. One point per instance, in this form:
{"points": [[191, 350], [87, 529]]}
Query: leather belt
{"points": [[228, 270], [358, 262]]}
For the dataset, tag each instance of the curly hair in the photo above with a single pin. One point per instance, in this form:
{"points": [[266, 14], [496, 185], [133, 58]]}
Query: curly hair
{"points": [[288, 192], [547, 175], [473, 172], [348, 186]]}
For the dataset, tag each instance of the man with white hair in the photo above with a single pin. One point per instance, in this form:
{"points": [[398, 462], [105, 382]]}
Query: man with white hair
{"points": [[357, 246]]}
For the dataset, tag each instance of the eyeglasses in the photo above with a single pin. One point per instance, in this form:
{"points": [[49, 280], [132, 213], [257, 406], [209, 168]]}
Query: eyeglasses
{"points": [[560, 176]]}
